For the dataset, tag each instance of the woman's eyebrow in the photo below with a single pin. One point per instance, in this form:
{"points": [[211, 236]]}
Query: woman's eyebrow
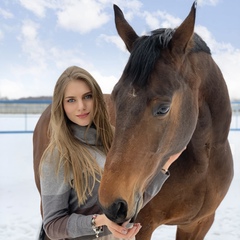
{"points": [[90, 92], [69, 97]]}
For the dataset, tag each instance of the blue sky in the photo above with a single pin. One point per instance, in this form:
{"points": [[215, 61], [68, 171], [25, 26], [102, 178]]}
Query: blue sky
{"points": [[39, 39]]}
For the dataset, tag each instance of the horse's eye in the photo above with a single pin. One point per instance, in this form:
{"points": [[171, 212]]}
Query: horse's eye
{"points": [[161, 110]]}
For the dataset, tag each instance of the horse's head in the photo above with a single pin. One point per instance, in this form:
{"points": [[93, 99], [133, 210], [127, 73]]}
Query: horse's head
{"points": [[156, 106]]}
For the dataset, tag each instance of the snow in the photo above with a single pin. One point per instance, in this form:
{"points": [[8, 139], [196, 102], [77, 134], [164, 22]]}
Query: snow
{"points": [[19, 200]]}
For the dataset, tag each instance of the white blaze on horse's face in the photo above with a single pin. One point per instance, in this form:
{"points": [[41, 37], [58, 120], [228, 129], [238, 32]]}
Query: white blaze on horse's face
{"points": [[134, 93]]}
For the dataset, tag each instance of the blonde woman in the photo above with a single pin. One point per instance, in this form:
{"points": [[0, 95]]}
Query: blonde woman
{"points": [[72, 164]]}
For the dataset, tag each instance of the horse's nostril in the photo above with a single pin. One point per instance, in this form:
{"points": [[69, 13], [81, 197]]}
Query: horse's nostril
{"points": [[121, 209], [118, 211]]}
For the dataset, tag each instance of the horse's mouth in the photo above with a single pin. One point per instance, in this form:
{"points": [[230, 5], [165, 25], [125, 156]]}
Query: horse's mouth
{"points": [[128, 223], [132, 220], [118, 212], [135, 216]]}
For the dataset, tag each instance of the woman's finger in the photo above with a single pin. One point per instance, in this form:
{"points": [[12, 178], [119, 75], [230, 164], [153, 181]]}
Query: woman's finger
{"points": [[134, 230], [131, 233]]}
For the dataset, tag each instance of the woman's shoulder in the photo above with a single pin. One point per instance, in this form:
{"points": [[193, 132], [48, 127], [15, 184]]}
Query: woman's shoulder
{"points": [[50, 162], [51, 157]]}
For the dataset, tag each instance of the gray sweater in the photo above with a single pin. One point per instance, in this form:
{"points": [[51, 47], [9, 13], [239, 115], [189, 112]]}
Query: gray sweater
{"points": [[63, 218]]}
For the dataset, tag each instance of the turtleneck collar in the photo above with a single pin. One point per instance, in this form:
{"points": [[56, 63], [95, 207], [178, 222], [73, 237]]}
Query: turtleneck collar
{"points": [[88, 136]]}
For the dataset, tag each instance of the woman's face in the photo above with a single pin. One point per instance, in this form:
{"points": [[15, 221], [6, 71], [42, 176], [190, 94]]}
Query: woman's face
{"points": [[78, 102]]}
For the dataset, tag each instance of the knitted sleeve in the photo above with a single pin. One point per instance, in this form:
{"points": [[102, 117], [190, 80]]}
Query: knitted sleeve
{"points": [[59, 222]]}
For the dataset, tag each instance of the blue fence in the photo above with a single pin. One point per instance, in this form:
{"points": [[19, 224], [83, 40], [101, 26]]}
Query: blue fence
{"points": [[21, 116], [18, 123]]}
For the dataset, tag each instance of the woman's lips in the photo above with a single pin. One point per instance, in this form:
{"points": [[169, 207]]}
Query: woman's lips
{"points": [[82, 115]]}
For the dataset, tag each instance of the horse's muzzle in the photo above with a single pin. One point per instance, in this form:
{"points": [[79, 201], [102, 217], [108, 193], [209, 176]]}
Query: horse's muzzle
{"points": [[117, 212]]}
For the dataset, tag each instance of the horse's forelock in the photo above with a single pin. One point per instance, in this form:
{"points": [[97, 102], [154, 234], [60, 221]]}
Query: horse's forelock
{"points": [[145, 54]]}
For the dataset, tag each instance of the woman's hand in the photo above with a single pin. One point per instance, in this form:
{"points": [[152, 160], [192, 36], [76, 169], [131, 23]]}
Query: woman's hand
{"points": [[117, 230]]}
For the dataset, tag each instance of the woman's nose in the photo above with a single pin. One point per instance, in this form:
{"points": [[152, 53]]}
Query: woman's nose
{"points": [[81, 105]]}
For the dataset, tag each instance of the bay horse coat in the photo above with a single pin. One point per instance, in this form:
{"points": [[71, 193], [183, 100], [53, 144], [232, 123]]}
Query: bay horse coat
{"points": [[171, 95]]}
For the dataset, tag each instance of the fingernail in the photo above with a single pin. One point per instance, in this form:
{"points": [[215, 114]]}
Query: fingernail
{"points": [[124, 231]]}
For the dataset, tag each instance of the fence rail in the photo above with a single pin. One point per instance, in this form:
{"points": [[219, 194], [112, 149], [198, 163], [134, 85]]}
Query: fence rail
{"points": [[23, 106], [21, 116]]}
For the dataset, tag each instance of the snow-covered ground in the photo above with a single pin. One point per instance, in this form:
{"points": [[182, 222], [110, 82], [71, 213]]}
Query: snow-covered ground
{"points": [[19, 200]]}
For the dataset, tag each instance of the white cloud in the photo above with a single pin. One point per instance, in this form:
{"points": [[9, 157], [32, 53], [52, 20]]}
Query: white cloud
{"points": [[27, 80], [31, 44], [115, 39], [12, 88], [207, 2], [82, 16], [133, 5], [160, 19], [29, 30], [38, 7], [228, 61], [151, 20], [44, 55], [105, 82], [63, 58], [5, 14], [130, 8], [1, 35]]}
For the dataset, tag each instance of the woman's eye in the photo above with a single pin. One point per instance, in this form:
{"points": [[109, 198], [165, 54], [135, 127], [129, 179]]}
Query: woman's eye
{"points": [[71, 100], [89, 96]]}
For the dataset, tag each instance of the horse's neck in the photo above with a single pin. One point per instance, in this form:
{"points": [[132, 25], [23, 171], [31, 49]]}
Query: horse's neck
{"points": [[110, 108], [214, 103]]}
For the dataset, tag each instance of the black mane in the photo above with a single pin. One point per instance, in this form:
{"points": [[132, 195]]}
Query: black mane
{"points": [[147, 50]]}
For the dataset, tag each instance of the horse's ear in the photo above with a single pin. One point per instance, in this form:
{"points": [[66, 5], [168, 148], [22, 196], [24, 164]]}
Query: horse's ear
{"points": [[183, 34], [125, 31]]}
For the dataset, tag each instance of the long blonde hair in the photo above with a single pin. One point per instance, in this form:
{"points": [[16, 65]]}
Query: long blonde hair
{"points": [[73, 155]]}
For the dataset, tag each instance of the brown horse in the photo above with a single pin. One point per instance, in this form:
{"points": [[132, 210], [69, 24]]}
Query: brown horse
{"points": [[171, 95]]}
